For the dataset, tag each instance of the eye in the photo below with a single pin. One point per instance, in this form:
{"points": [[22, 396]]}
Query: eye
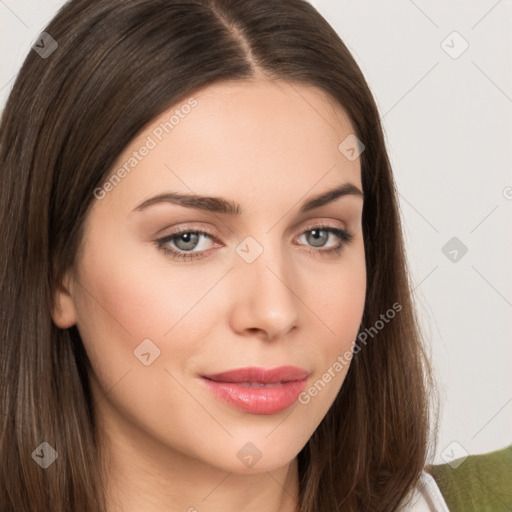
{"points": [[317, 236], [186, 244], [184, 241]]}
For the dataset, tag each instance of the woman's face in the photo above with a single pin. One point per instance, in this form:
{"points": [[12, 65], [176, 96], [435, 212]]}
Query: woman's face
{"points": [[258, 286]]}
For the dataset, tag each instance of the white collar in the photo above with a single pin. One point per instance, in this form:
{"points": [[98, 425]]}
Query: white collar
{"points": [[426, 497]]}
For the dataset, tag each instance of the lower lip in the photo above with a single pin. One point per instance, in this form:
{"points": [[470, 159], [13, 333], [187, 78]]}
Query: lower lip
{"points": [[269, 399]]}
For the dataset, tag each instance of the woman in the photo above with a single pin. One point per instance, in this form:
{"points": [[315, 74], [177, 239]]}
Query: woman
{"points": [[206, 299]]}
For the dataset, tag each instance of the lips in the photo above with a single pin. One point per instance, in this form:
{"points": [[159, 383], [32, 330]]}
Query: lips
{"points": [[258, 390]]}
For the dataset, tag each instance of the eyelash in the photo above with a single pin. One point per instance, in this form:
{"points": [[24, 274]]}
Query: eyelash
{"points": [[345, 236]]}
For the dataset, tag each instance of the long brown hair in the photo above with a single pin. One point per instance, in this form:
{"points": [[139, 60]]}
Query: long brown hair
{"points": [[119, 64]]}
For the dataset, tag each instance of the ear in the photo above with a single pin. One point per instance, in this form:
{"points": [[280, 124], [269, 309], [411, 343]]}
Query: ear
{"points": [[64, 313]]}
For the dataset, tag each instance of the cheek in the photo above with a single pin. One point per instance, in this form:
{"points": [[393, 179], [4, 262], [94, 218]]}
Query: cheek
{"points": [[347, 307], [131, 290], [338, 299], [125, 298]]}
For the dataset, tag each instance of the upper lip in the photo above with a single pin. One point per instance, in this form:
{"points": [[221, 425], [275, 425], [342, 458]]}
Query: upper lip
{"points": [[262, 375]]}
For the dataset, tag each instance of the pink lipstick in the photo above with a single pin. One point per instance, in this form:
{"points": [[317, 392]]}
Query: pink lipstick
{"points": [[258, 390]]}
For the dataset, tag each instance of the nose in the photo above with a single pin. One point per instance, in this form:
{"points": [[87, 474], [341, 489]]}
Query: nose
{"points": [[264, 300]]}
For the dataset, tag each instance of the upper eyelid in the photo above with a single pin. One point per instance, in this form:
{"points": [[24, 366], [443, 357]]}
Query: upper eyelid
{"points": [[189, 227], [202, 231]]}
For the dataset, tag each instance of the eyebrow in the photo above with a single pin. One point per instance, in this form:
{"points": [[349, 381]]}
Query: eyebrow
{"points": [[225, 206]]}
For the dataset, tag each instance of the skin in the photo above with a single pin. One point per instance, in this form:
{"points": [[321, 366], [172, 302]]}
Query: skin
{"points": [[168, 443]]}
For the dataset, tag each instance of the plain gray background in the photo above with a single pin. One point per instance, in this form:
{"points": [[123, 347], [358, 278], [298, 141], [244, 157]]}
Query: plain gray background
{"points": [[446, 111]]}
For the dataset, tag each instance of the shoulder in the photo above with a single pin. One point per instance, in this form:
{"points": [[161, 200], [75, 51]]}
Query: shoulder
{"points": [[476, 482], [426, 497]]}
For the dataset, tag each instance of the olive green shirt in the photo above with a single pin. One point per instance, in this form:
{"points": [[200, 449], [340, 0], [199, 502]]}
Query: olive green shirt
{"points": [[481, 483]]}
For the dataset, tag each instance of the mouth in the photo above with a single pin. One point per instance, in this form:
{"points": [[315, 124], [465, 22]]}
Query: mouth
{"points": [[258, 390]]}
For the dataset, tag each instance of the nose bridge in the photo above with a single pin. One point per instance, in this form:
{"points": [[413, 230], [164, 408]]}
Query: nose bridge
{"points": [[266, 298]]}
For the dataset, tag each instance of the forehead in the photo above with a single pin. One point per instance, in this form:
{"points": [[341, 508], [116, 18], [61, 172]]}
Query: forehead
{"points": [[279, 96], [236, 138], [273, 112]]}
